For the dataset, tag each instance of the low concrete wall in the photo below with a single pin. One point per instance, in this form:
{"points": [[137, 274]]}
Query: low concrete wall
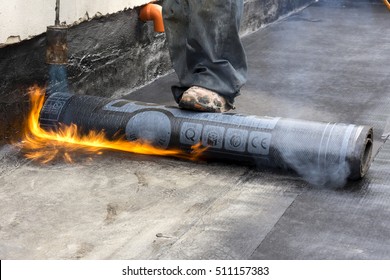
{"points": [[259, 13], [106, 54], [22, 19]]}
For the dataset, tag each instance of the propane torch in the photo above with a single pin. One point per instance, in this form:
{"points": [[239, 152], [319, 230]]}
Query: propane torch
{"points": [[57, 54]]}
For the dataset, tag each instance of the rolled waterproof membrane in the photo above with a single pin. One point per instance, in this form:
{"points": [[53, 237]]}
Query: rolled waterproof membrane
{"points": [[322, 153]]}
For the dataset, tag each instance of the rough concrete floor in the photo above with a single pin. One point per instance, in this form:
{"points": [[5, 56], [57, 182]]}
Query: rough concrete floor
{"points": [[330, 62]]}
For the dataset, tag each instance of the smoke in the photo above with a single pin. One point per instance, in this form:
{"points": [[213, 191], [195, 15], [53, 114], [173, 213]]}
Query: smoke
{"points": [[321, 153], [58, 79], [323, 172]]}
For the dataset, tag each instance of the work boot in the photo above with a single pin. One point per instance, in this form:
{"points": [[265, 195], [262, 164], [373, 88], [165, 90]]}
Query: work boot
{"points": [[201, 99]]}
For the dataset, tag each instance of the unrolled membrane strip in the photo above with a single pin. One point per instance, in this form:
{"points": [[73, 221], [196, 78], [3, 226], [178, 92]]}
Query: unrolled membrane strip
{"points": [[320, 152]]}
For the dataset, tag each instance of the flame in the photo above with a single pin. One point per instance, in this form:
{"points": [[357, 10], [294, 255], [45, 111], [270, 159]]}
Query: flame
{"points": [[45, 146]]}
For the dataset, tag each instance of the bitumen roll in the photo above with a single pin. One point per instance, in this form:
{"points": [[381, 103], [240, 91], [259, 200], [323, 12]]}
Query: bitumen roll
{"points": [[319, 151]]}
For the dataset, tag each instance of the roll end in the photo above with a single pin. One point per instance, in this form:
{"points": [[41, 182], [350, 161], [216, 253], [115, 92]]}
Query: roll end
{"points": [[361, 159]]}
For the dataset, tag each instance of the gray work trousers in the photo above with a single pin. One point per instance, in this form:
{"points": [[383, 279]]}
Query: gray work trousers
{"points": [[205, 46]]}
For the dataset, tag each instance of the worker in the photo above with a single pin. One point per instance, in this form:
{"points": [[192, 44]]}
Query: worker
{"points": [[206, 52]]}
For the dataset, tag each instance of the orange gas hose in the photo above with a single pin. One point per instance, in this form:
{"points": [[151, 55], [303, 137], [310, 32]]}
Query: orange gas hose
{"points": [[387, 3], [153, 12]]}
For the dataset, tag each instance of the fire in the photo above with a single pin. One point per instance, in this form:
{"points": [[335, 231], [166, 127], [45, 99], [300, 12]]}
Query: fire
{"points": [[45, 146]]}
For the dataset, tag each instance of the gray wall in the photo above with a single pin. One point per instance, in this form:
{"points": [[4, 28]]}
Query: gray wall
{"points": [[106, 54]]}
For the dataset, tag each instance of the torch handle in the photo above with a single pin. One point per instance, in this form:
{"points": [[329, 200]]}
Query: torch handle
{"points": [[57, 21]]}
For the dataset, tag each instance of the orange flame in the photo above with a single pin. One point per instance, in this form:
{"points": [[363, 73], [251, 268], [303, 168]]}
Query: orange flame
{"points": [[45, 146]]}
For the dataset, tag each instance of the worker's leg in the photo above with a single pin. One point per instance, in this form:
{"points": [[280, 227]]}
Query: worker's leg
{"points": [[205, 46], [215, 55], [175, 13]]}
